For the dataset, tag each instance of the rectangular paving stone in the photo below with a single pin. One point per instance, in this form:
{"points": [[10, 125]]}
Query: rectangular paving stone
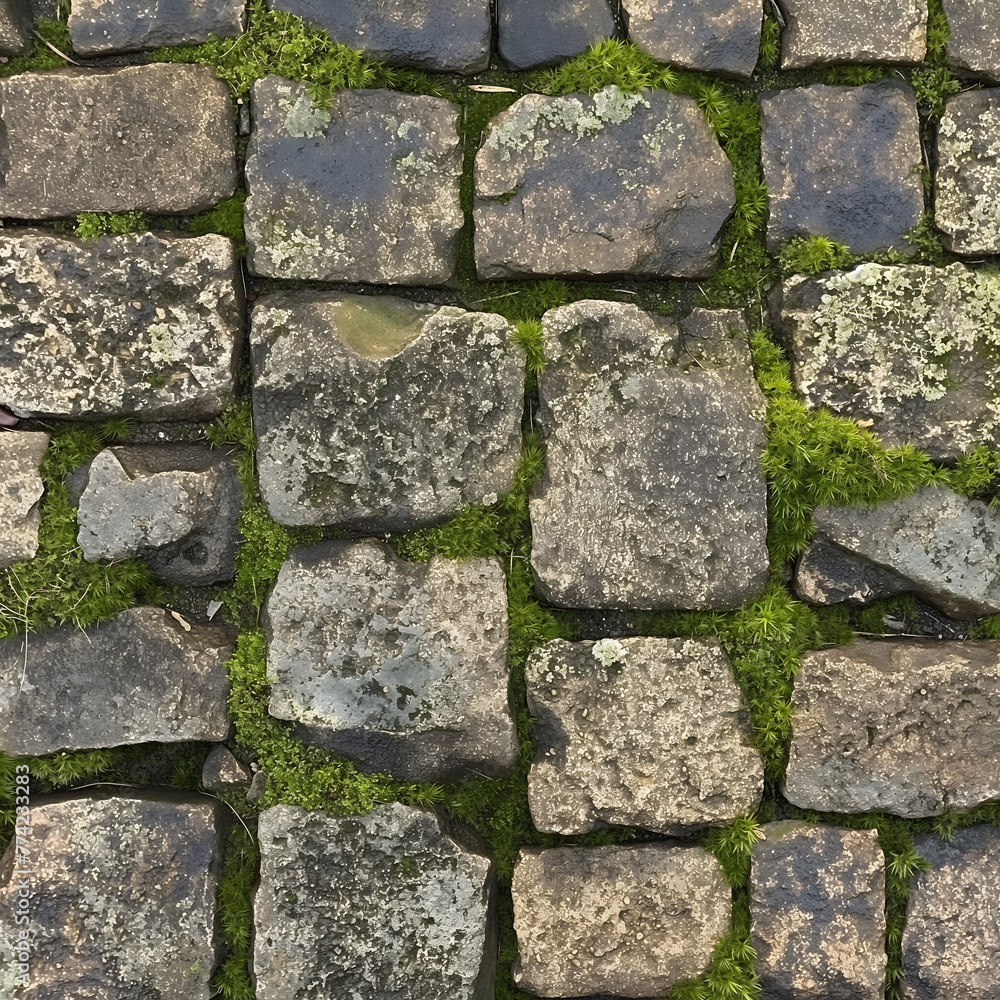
{"points": [[540, 34], [160, 138], [21, 489], [973, 47]]}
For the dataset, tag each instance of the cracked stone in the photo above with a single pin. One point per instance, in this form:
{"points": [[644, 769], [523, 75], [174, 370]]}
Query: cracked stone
{"points": [[973, 47], [222, 772], [21, 454]]}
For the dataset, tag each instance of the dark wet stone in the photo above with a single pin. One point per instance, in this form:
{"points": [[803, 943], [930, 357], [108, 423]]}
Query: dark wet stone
{"points": [[98, 27], [613, 184], [967, 182], [628, 921], [145, 326], [365, 190], [910, 727], [222, 772], [122, 901], [853, 31], [974, 38], [951, 944], [445, 36], [817, 898], [15, 27], [141, 677], [160, 138], [843, 162], [533, 34], [653, 494], [371, 907], [400, 666], [380, 414], [715, 36], [21, 489]]}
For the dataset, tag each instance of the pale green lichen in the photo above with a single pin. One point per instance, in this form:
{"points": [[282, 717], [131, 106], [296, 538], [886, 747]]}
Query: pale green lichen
{"points": [[413, 169], [608, 652], [291, 251], [303, 118]]}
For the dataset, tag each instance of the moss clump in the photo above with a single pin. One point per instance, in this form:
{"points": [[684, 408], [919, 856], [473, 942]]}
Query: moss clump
{"points": [[90, 225], [225, 219], [813, 254]]}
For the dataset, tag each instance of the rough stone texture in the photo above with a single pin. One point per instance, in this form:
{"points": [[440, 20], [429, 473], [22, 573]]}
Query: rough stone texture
{"points": [[653, 495], [97, 27], [122, 903], [967, 184], [532, 34], [176, 506], [910, 352], [222, 772], [818, 33], [817, 898], [145, 326], [160, 138], [598, 186], [141, 677], [629, 921], [910, 727], [371, 907], [378, 414], [843, 162], [951, 945], [935, 543], [400, 666], [21, 454], [448, 36], [15, 27], [715, 36], [974, 42], [366, 190], [638, 732]]}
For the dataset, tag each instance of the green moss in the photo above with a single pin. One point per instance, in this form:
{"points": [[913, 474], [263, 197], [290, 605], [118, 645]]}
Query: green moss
{"points": [[933, 85], [56, 33], [242, 861], [226, 219], [90, 225], [813, 254], [938, 31], [770, 44]]}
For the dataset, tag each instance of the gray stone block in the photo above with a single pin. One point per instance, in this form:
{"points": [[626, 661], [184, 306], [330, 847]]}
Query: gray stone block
{"points": [[122, 900], [145, 326], [974, 38], [21, 489], [653, 494], [174, 506], [967, 181], [910, 727], [909, 352], [843, 162], [532, 34], [613, 184], [714, 36], [160, 138], [378, 414], [817, 900], [400, 666], [443, 36], [15, 27], [629, 921], [141, 677], [936, 543], [371, 907], [222, 772], [365, 190], [651, 733], [951, 945]]}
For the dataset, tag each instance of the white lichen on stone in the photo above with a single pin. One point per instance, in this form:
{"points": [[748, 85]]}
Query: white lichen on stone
{"points": [[608, 652], [303, 117], [404, 128], [291, 252], [413, 169]]}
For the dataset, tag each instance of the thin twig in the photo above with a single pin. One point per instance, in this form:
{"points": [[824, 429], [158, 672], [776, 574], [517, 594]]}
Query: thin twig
{"points": [[62, 55]]}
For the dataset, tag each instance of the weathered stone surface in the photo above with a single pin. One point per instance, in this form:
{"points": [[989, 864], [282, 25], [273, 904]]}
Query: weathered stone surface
{"points": [[936, 543], [910, 727], [400, 666], [967, 184], [141, 677], [21, 454], [638, 732], [604, 185], [653, 495], [951, 944], [97, 27], [974, 38], [371, 907], [532, 34], [175, 506], [843, 162], [222, 772], [853, 31], [448, 36], [910, 352], [715, 36], [366, 190], [817, 899], [378, 414], [144, 326], [629, 921], [122, 898], [160, 138], [15, 27]]}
